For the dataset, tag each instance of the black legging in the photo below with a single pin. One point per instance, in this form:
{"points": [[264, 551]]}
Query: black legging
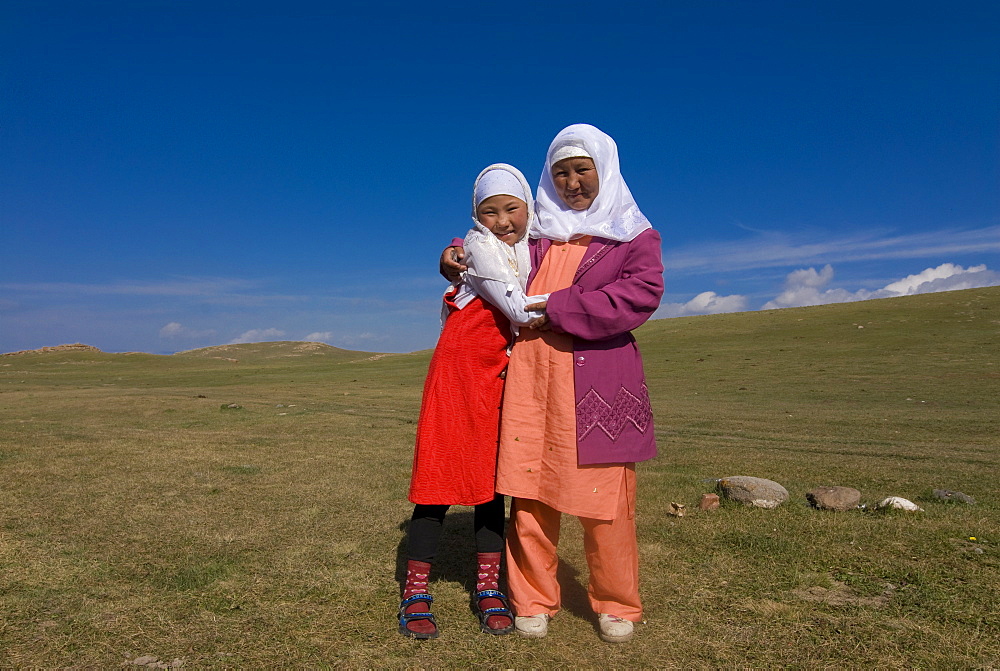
{"points": [[427, 523]]}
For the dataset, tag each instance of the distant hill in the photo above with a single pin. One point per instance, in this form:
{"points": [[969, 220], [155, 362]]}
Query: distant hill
{"points": [[900, 319], [902, 346], [267, 350], [75, 347], [241, 352]]}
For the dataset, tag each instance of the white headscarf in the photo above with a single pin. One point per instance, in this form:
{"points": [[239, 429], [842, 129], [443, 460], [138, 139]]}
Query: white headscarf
{"points": [[613, 214], [486, 255], [495, 181]]}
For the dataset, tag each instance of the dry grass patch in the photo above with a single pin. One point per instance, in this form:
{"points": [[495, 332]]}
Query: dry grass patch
{"points": [[140, 521]]}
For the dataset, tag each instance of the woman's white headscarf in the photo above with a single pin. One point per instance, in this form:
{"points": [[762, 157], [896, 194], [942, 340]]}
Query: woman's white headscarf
{"points": [[613, 214], [485, 254]]}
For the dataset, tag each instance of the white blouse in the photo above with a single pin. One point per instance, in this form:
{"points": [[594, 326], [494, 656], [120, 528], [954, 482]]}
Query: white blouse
{"points": [[509, 298]]}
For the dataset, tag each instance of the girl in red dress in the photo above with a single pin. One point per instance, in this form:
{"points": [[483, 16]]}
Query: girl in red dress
{"points": [[454, 461]]}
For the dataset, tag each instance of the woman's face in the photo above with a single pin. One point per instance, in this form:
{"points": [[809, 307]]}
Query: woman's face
{"points": [[505, 216], [576, 181]]}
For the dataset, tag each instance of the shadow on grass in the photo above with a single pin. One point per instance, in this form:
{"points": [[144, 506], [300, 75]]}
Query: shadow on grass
{"points": [[456, 562]]}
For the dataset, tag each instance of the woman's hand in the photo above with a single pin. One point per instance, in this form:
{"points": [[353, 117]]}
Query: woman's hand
{"points": [[542, 323], [451, 265]]}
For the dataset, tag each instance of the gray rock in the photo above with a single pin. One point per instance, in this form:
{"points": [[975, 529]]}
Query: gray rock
{"points": [[834, 498], [752, 491], [950, 496]]}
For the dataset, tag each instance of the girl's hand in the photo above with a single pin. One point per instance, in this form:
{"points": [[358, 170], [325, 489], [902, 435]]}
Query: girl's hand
{"points": [[451, 265], [537, 306]]}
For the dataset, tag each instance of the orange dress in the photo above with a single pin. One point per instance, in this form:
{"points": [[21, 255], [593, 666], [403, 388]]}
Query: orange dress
{"points": [[537, 458], [454, 461]]}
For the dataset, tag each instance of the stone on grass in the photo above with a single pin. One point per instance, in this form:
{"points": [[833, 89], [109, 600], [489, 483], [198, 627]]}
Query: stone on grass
{"points": [[834, 498], [949, 496], [709, 502], [751, 491], [898, 503], [676, 509]]}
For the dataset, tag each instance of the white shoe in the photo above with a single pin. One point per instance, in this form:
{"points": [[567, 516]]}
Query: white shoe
{"points": [[615, 629], [532, 626]]}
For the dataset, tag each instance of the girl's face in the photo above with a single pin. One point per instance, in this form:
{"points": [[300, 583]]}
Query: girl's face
{"points": [[505, 216], [576, 181]]}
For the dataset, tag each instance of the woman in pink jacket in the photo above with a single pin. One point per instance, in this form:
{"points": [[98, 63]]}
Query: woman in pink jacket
{"points": [[576, 414]]}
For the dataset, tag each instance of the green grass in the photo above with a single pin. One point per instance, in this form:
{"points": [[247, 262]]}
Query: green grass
{"points": [[138, 518]]}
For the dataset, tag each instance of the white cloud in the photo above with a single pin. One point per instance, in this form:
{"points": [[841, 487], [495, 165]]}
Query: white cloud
{"points": [[705, 303], [806, 286], [320, 336], [946, 277], [188, 286], [176, 330], [769, 249], [171, 330], [257, 335], [210, 291]]}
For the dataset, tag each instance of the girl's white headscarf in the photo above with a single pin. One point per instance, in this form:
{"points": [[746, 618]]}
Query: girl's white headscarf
{"points": [[613, 214], [485, 254]]}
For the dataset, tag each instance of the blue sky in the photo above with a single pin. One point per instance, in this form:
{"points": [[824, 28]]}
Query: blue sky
{"points": [[178, 174]]}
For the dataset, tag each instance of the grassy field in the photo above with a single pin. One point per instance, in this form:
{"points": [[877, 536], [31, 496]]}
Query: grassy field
{"points": [[142, 521]]}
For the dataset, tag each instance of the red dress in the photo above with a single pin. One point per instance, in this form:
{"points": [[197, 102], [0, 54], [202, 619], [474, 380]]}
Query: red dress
{"points": [[455, 458]]}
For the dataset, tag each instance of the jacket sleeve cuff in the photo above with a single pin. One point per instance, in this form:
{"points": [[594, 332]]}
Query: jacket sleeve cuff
{"points": [[556, 305]]}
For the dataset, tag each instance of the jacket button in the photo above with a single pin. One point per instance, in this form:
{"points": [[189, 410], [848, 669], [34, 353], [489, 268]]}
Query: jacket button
{"points": [[580, 361]]}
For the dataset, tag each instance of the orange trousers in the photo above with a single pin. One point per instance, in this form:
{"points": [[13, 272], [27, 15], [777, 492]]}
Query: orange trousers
{"points": [[612, 557]]}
